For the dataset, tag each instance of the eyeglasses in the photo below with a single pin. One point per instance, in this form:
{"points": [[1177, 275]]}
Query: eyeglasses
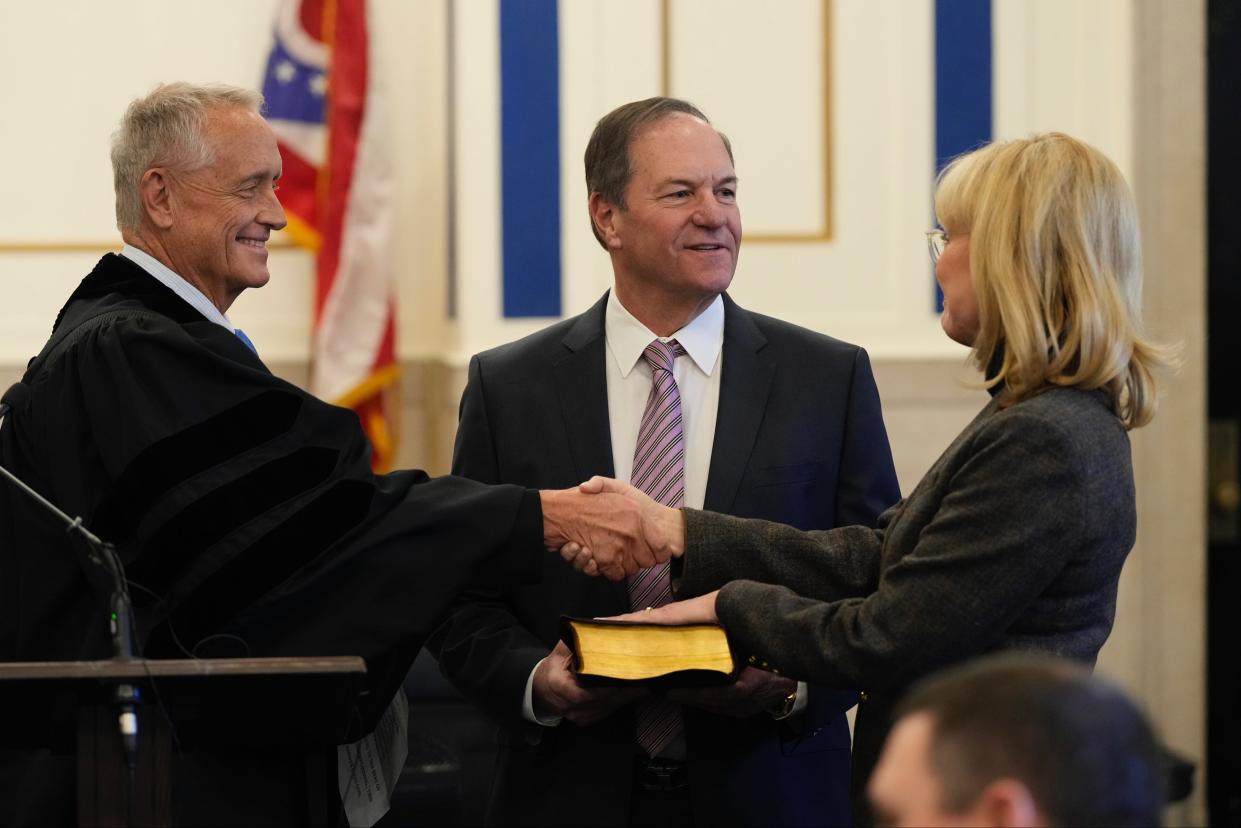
{"points": [[936, 240]]}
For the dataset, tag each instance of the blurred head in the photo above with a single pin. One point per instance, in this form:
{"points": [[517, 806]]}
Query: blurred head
{"points": [[1018, 740], [195, 171], [663, 203], [1046, 281]]}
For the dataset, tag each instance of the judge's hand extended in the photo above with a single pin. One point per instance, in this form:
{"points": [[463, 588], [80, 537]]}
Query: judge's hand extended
{"points": [[661, 525], [608, 531], [557, 692], [754, 691]]}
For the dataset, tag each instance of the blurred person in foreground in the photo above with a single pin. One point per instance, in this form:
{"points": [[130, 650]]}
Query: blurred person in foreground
{"points": [[669, 383], [1015, 538], [1018, 740], [244, 509]]}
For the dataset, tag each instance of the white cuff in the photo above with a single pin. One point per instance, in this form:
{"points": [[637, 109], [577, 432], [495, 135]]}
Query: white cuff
{"points": [[527, 703]]}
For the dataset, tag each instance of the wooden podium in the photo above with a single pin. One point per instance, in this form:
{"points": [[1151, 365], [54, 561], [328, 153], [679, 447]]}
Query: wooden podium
{"points": [[293, 708]]}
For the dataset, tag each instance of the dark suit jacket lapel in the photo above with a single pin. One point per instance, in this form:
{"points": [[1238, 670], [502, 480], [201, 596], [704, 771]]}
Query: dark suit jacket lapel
{"points": [[581, 382], [744, 387]]}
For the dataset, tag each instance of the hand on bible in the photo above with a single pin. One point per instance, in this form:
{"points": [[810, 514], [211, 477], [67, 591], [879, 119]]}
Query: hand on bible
{"points": [[662, 526], [609, 534], [556, 692], [700, 610], [753, 691]]}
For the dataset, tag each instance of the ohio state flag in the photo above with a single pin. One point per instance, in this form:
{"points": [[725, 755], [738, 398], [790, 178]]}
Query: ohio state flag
{"points": [[337, 190]]}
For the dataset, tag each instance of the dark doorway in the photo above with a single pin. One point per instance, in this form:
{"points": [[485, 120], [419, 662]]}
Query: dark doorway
{"points": [[1224, 409]]}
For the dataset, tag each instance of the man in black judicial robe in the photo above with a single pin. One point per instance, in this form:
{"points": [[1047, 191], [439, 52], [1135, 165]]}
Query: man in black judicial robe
{"points": [[240, 505]]}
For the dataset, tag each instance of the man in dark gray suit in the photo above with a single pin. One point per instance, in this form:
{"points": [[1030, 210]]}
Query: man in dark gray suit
{"points": [[757, 418]]}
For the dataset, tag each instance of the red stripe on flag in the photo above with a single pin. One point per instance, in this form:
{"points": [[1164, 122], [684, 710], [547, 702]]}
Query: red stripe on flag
{"points": [[346, 105], [311, 13], [297, 186]]}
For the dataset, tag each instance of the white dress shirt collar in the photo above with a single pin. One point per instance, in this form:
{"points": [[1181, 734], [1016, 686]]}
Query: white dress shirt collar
{"points": [[190, 294], [627, 338]]}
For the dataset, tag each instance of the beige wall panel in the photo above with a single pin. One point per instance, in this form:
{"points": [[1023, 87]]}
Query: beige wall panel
{"points": [[57, 177], [926, 403], [609, 54], [762, 76], [1162, 619], [410, 40], [871, 283], [70, 68], [1066, 65]]}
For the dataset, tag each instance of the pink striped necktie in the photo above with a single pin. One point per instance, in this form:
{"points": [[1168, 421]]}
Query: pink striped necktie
{"points": [[659, 470]]}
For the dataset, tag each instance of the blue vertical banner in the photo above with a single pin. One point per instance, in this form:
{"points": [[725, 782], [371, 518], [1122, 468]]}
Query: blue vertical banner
{"points": [[530, 156], [962, 82]]}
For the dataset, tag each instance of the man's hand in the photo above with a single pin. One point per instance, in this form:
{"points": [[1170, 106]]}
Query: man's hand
{"points": [[557, 692], [754, 691], [663, 529], [610, 534]]}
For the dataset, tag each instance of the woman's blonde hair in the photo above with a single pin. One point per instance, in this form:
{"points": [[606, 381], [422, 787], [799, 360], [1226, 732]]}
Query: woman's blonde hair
{"points": [[1056, 261]]}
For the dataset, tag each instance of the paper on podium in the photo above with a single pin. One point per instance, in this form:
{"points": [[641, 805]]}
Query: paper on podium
{"points": [[367, 770]]}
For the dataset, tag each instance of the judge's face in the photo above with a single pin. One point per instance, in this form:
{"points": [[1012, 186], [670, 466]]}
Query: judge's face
{"points": [[677, 238], [952, 271], [224, 213]]}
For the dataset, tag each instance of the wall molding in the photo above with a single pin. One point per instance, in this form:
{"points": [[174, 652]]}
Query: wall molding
{"points": [[824, 233]]}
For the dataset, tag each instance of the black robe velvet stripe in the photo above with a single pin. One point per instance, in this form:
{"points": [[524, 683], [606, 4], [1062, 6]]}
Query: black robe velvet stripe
{"points": [[239, 503]]}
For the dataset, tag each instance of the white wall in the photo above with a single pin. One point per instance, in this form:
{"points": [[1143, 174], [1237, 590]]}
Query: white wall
{"points": [[71, 67], [1059, 64]]}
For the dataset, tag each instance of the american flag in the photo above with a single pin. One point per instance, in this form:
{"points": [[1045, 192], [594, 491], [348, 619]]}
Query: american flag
{"points": [[337, 189]]}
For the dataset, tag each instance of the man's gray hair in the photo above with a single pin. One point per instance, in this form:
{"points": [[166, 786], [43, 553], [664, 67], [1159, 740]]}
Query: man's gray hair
{"points": [[166, 129]]}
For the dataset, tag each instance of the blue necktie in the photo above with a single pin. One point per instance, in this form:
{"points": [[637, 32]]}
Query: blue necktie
{"points": [[242, 336]]}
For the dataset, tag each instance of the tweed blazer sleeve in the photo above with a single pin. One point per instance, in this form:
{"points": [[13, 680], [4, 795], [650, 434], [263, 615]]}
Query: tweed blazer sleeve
{"points": [[829, 564], [1012, 528]]}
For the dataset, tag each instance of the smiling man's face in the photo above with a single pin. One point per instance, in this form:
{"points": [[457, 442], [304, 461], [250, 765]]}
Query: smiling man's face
{"points": [[224, 213], [680, 230]]}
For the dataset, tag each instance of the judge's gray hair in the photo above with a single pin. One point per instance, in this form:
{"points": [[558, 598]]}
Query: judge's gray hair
{"points": [[166, 129]]}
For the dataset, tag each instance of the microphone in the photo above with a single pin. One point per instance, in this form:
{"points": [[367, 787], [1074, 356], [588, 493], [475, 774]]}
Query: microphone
{"points": [[103, 555]]}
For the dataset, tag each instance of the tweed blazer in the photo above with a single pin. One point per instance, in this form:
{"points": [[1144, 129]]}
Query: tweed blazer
{"points": [[1014, 539]]}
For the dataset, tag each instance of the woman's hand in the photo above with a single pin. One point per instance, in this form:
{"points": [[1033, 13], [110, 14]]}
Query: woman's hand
{"points": [[700, 610]]}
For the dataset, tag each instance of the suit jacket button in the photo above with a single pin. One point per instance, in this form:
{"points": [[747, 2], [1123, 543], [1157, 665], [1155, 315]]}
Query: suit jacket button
{"points": [[752, 659]]}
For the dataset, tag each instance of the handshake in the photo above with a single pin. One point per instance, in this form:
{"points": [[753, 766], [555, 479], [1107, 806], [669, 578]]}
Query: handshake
{"points": [[605, 527]]}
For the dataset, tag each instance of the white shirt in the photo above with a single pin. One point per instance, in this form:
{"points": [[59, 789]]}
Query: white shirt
{"points": [[177, 285], [697, 376], [629, 383]]}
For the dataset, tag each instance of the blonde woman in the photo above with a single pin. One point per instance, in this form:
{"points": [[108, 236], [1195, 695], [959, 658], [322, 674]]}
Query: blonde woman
{"points": [[1015, 538]]}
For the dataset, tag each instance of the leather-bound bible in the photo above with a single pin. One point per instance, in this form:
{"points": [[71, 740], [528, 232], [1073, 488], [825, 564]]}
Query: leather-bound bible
{"points": [[614, 652]]}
